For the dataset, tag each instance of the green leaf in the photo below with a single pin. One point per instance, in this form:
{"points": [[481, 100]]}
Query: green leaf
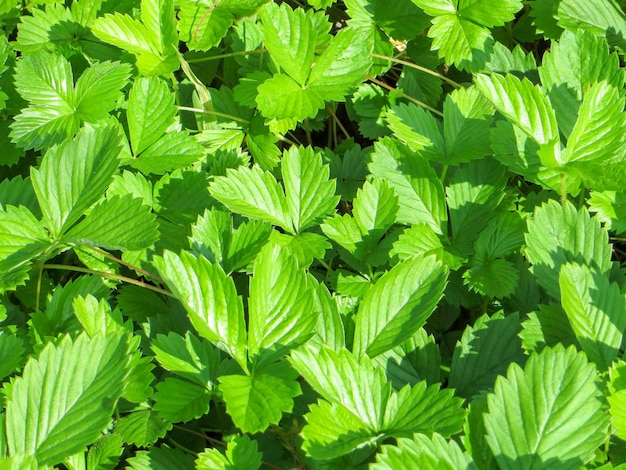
{"points": [[117, 223], [601, 17], [344, 379], [418, 129], [398, 304], [253, 193], [45, 80], [142, 428], [255, 401], [22, 238], [179, 401], [161, 458], [66, 396], [375, 208], [151, 40], [340, 68], [187, 357], [96, 317], [610, 209], [523, 103], [11, 354], [151, 110], [309, 194], [473, 195], [600, 116], [560, 234], [574, 63], [467, 117], [595, 308], [172, 151], [496, 278], [290, 37], [280, 304], [434, 453], [332, 431], [210, 298], [617, 397], [551, 413], [105, 453], [424, 409], [295, 104], [484, 352], [242, 453], [420, 193], [99, 88], [73, 176]]}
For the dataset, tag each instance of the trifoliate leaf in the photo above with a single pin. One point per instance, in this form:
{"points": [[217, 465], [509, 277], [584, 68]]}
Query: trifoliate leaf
{"points": [[419, 191], [460, 29], [142, 428], [179, 401], [210, 298], [54, 28], [280, 304], [117, 223], [309, 194], [552, 412], [73, 176], [484, 352], [434, 453], [574, 63], [257, 400], [594, 307], [242, 453], [558, 234], [66, 396], [398, 304]]}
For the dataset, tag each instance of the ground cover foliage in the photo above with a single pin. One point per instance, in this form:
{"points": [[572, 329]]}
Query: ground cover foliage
{"points": [[241, 234]]}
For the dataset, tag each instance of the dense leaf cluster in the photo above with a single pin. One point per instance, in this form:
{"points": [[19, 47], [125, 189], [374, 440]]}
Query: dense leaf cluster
{"points": [[241, 234]]}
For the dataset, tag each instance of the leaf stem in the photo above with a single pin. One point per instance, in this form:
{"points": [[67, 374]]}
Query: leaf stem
{"points": [[224, 56], [216, 113], [418, 67], [404, 95], [128, 265], [38, 292], [336, 119], [128, 280]]}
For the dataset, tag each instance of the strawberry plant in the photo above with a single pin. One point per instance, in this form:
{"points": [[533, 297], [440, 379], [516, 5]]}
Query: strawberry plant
{"points": [[242, 234]]}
